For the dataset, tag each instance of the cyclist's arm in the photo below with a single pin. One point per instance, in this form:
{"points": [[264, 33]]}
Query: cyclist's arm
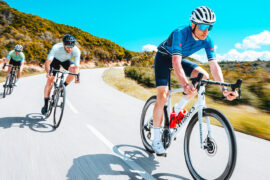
{"points": [[178, 70], [216, 71], [218, 76], [47, 65]]}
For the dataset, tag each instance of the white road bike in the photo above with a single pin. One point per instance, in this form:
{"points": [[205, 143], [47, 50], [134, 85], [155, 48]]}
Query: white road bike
{"points": [[210, 148]]}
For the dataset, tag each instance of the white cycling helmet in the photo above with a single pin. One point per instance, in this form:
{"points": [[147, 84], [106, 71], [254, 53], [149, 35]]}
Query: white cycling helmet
{"points": [[18, 48], [203, 15]]}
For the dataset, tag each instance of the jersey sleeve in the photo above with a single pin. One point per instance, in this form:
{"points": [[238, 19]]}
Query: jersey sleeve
{"points": [[177, 43], [23, 57], [210, 50], [51, 54], [77, 56], [9, 55]]}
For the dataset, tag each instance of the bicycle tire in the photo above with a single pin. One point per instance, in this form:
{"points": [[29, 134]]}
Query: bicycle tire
{"points": [[12, 83], [230, 165], [6, 86], [51, 105], [145, 129], [60, 94]]}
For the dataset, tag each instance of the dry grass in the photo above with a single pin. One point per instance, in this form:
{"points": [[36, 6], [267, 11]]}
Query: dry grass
{"points": [[245, 119]]}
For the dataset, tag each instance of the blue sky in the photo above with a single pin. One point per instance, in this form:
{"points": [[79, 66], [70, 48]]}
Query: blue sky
{"points": [[136, 23]]}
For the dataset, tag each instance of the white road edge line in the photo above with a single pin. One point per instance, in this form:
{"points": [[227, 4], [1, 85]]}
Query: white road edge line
{"points": [[72, 107], [127, 160]]}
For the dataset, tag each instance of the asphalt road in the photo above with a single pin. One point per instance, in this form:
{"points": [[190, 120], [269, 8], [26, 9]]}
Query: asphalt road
{"points": [[97, 139]]}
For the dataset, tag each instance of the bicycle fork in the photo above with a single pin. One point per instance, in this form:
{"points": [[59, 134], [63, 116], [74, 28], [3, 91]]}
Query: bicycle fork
{"points": [[201, 96]]}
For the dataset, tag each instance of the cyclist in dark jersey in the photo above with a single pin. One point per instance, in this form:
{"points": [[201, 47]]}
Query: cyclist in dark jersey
{"points": [[172, 53]]}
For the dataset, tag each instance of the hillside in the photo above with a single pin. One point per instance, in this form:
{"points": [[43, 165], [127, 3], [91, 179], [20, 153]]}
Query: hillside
{"points": [[37, 35]]}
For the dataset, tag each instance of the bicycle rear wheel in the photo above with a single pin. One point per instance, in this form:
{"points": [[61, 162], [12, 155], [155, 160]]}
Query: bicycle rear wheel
{"points": [[59, 105], [218, 158], [146, 125]]}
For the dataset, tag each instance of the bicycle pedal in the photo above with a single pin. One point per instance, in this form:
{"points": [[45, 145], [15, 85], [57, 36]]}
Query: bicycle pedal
{"points": [[174, 138]]}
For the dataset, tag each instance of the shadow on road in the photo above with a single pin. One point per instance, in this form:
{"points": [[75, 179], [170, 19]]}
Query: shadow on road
{"points": [[167, 176], [34, 121], [109, 166]]}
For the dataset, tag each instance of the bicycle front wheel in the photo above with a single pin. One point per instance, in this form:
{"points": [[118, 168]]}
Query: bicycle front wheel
{"points": [[6, 88], [59, 105], [12, 83], [217, 159]]}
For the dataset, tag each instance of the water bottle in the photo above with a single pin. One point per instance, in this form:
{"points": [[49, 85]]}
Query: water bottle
{"points": [[173, 119], [181, 115]]}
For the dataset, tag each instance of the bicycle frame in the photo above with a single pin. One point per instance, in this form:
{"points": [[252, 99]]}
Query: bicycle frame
{"points": [[197, 107]]}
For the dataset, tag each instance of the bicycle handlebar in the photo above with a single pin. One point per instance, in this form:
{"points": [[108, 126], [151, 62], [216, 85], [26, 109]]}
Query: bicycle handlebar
{"points": [[65, 72], [10, 65], [202, 82]]}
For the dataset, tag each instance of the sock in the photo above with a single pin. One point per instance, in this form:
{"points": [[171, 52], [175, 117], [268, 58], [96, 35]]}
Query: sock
{"points": [[46, 101], [157, 134], [65, 83], [179, 106]]}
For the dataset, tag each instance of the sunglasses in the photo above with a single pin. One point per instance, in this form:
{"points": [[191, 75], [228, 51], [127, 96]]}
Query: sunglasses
{"points": [[17, 51], [69, 46], [203, 27]]}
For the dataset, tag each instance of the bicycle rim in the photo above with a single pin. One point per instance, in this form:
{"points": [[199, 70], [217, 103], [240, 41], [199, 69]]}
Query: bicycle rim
{"points": [[12, 83], [218, 160], [146, 124], [59, 105], [6, 86]]}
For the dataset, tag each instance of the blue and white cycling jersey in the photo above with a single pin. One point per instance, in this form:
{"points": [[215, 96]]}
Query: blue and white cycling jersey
{"points": [[181, 42]]}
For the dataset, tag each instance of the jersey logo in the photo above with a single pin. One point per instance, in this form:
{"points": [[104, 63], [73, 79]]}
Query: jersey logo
{"points": [[180, 44], [212, 49]]}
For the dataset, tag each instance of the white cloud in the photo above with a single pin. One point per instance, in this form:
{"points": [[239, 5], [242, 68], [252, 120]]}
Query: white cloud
{"points": [[149, 47], [255, 41], [233, 55], [215, 47]]}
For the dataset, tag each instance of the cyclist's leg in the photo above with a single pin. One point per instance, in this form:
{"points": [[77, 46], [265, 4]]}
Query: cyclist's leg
{"points": [[162, 75], [198, 70], [69, 65], [188, 67], [191, 70], [12, 62], [47, 90], [21, 64]]}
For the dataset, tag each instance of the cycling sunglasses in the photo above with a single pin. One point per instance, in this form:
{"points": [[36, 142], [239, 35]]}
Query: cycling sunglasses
{"points": [[203, 27], [69, 46]]}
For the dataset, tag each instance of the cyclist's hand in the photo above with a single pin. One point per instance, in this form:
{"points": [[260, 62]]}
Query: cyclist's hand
{"points": [[230, 95], [189, 89], [49, 76]]}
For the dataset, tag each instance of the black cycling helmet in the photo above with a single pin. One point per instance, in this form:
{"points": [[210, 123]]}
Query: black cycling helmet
{"points": [[69, 40]]}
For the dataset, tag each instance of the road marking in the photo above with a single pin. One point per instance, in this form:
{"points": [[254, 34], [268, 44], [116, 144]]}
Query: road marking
{"points": [[72, 107], [138, 169]]}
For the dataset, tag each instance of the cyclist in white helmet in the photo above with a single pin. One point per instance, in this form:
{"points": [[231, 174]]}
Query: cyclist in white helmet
{"points": [[182, 43], [15, 57]]}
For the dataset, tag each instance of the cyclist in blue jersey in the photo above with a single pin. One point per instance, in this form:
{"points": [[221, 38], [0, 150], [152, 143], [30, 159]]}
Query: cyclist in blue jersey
{"points": [[65, 54], [172, 53], [16, 58]]}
